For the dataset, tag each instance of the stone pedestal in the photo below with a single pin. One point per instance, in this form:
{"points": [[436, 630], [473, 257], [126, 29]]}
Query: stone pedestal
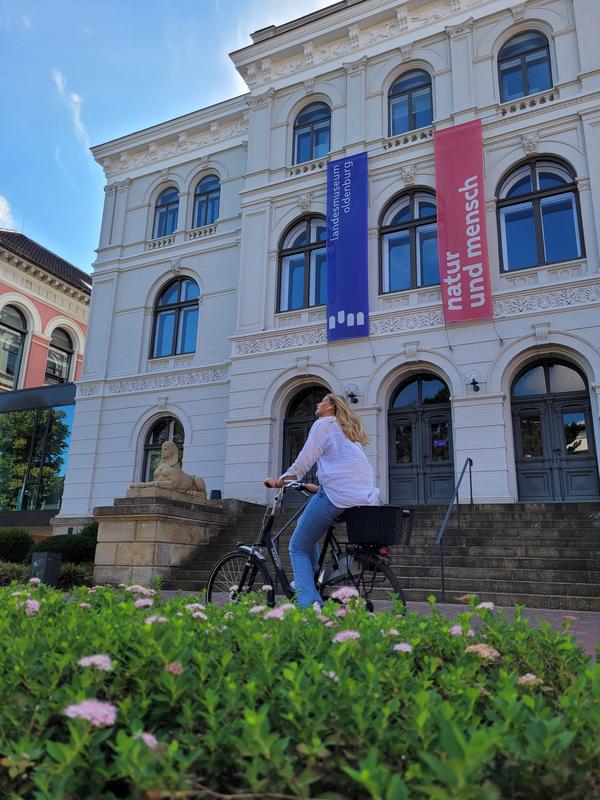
{"points": [[150, 530]]}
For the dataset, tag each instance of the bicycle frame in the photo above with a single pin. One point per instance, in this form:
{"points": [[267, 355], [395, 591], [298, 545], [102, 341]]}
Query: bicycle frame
{"points": [[265, 539]]}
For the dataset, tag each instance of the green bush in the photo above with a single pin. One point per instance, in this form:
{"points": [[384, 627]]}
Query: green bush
{"points": [[228, 702], [90, 529], [15, 545], [75, 548], [70, 575]]}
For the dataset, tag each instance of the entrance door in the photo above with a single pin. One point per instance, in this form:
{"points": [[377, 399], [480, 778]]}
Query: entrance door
{"points": [[420, 442], [299, 418], [554, 440]]}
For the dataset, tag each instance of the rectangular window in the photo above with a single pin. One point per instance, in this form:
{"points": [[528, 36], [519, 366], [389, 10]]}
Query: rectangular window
{"points": [[428, 272], [10, 357], [538, 72], [559, 226], [163, 338], [400, 122], [576, 440], [396, 261], [440, 445], [511, 80], [422, 107], [403, 443], [213, 209], [303, 146], [321, 140], [531, 436], [318, 278], [160, 223], [201, 212], [519, 243], [292, 282], [188, 326]]}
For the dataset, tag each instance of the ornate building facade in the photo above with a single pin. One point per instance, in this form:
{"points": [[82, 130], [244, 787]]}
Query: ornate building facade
{"points": [[212, 261]]}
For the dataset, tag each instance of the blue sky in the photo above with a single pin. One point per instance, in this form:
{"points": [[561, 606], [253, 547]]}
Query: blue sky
{"points": [[76, 73]]}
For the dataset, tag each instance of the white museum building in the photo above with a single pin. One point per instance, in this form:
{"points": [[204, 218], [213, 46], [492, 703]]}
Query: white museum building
{"points": [[208, 314]]}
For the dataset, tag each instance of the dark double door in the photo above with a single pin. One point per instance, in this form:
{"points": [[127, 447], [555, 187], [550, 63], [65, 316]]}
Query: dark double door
{"points": [[554, 450], [300, 416]]}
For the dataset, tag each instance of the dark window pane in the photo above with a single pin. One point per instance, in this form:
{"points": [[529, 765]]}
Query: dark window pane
{"points": [[422, 108], [12, 317], [403, 214], [523, 43], [426, 208], [322, 281], [62, 340], [201, 211], [171, 222], [208, 184], [538, 72], [549, 179], [399, 115], [531, 436], [11, 346], [518, 236], [212, 213], [55, 457], [190, 290], [318, 278], [565, 379], [407, 397], [411, 80], [166, 429], [188, 324], [434, 391], [511, 80], [427, 255], [321, 140], [165, 325], [440, 443], [522, 186], [403, 441], [320, 233], [397, 248], [303, 153], [160, 432], [57, 366], [168, 196], [296, 290], [313, 113], [576, 440], [160, 222], [532, 382], [170, 295], [561, 237]]}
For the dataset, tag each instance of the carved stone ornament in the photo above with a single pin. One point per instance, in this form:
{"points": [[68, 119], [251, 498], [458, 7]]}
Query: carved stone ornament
{"points": [[354, 35], [255, 100], [405, 52], [309, 85], [547, 301], [455, 5], [87, 389], [175, 266], [169, 475], [408, 174], [304, 201], [402, 18], [518, 11], [169, 381], [355, 66], [410, 348], [122, 186], [309, 52], [265, 68], [455, 31], [530, 142], [541, 332]]}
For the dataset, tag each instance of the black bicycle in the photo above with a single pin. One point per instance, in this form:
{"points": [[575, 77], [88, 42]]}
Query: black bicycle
{"points": [[362, 562]]}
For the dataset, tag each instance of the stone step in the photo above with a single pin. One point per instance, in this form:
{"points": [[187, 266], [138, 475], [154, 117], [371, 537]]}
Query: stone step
{"points": [[453, 560], [579, 603], [498, 551], [483, 585]]}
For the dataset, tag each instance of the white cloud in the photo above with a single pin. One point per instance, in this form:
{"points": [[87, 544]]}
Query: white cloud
{"points": [[73, 102], [6, 217]]}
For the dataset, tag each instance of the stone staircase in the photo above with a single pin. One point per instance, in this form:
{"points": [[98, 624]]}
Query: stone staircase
{"points": [[543, 555]]}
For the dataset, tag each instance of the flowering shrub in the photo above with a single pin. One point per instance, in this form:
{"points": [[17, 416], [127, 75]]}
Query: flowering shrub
{"points": [[98, 701]]}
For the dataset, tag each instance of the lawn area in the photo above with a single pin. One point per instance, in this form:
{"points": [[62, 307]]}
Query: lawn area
{"points": [[117, 693]]}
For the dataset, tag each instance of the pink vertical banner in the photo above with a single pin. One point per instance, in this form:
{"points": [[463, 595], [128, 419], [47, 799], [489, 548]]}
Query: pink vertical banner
{"points": [[462, 234]]}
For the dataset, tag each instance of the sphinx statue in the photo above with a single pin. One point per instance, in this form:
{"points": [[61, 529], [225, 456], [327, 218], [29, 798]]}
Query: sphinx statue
{"points": [[169, 475]]}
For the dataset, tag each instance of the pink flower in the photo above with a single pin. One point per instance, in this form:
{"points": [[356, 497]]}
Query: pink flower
{"points": [[99, 662], [31, 607], [94, 711], [266, 588], [456, 630], [34, 581], [330, 624], [529, 679], [195, 607], [341, 612], [470, 632], [329, 673], [149, 740], [345, 593], [136, 589], [279, 611], [483, 651], [343, 636], [85, 605], [257, 609], [489, 606], [154, 618], [393, 632], [143, 602], [199, 615], [322, 618], [175, 667], [403, 647]]}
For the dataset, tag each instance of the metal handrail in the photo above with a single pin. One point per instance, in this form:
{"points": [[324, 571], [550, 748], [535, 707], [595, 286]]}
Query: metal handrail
{"points": [[468, 463]]}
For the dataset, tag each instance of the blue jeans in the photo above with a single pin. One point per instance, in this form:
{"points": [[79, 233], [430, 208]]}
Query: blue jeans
{"points": [[316, 518]]}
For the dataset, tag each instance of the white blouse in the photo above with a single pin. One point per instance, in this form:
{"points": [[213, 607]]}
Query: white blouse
{"points": [[342, 467]]}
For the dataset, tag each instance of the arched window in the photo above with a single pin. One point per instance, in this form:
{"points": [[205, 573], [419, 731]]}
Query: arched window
{"points": [[13, 330], [410, 104], [167, 429], [408, 238], [538, 215], [60, 355], [524, 66], [303, 265], [312, 132], [176, 319], [206, 201], [165, 213]]}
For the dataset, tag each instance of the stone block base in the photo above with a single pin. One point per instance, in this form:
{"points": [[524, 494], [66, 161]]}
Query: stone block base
{"points": [[144, 534]]}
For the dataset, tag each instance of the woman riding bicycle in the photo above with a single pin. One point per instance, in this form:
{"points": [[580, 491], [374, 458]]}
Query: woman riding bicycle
{"points": [[335, 444]]}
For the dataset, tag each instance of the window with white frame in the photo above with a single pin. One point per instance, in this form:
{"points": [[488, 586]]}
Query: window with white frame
{"points": [[13, 330], [303, 265]]}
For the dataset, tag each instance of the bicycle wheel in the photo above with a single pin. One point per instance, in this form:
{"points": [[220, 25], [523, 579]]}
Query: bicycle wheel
{"points": [[376, 582], [237, 574]]}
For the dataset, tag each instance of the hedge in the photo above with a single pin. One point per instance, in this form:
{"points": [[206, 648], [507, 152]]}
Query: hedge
{"points": [[76, 548], [15, 545], [104, 696], [70, 575]]}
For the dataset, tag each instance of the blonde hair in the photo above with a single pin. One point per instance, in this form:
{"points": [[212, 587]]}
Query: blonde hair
{"points": [[348, 420]]}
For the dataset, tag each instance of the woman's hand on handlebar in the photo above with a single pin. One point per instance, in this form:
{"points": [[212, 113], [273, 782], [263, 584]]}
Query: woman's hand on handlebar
{"points": [[273, 483], [311, 487]]}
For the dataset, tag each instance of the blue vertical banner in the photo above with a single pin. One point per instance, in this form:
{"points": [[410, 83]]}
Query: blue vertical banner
{"points": [[347, 248]]}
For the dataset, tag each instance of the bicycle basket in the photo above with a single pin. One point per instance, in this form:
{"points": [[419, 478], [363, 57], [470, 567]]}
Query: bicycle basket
{"points": [[383, 525]]}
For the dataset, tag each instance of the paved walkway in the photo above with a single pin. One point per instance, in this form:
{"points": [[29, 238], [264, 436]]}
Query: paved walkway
{"points": [[585, 625]]}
